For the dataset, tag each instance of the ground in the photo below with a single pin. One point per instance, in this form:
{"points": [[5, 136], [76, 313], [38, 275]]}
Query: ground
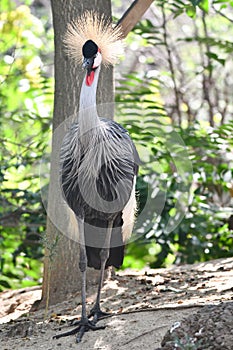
{"points": [[182, 308]]}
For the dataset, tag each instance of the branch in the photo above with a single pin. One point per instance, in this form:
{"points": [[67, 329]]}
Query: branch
{"points": [[207, 77], [73, 322], [133, 15], [171, 66], [222, 14], [142, 335]]}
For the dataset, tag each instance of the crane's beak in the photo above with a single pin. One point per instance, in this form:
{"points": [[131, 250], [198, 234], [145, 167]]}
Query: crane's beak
{"points": [[88, 63]]}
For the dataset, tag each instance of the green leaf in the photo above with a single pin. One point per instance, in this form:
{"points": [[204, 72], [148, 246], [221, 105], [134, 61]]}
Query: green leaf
{"points": [[5, 284], [215, 57], [191, 11], [204, 5]]}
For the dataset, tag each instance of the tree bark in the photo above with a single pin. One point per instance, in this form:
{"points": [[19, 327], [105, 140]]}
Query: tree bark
{"points": [[61, 272]]}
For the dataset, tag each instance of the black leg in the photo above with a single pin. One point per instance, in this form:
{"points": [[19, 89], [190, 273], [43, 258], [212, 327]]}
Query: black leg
{"points": [[96, 311], [84, 324]]}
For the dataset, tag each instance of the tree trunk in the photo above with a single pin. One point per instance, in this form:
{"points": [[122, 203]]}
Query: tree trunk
{"points": [[61, 272]]}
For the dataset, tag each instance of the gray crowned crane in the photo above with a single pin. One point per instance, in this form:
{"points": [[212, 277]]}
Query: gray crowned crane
{"points": [[99, 164]]}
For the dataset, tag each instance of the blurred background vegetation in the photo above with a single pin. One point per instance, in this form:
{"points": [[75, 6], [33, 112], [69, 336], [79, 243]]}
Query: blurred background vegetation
{"points": [[174, 95]]}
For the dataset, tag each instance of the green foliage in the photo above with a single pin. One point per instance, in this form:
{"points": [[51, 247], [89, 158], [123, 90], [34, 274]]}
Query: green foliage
{"points": [[204, 230], [205, 191], [189, 7], [187, 343], [25, 118]]}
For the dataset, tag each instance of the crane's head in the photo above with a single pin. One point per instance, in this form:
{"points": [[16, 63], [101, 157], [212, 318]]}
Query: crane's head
{"points": [[92, 59], [91, 39]]}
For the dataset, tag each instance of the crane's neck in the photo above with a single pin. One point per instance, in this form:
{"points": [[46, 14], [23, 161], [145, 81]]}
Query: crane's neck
{"points": [[88, 116]]}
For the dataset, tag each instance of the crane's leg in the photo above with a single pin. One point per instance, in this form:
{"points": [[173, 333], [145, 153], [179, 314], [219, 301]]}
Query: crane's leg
{"points": [[84, 324], [96, 312]]}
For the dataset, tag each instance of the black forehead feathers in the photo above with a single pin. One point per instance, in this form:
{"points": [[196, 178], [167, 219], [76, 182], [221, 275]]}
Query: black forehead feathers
{"points": [[90, 49]]}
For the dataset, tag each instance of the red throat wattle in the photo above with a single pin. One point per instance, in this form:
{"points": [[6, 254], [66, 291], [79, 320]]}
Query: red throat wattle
{"points": [[90, 78]]}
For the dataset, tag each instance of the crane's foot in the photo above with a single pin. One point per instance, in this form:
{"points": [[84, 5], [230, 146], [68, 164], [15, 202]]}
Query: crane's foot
{"points": [[97, 314], [84, 326]]}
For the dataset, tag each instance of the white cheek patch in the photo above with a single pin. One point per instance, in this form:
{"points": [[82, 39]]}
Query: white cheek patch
{"points": [[97, 60]]}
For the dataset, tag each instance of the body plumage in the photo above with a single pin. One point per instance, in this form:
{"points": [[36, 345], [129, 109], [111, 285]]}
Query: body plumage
{"points": [[98, 182]]}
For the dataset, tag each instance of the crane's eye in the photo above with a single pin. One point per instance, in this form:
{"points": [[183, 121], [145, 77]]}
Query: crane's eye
{"points": [[88, 62]]}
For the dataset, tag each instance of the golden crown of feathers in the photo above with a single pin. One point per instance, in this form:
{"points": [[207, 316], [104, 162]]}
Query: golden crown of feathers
{"points": [[94, 26]]}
